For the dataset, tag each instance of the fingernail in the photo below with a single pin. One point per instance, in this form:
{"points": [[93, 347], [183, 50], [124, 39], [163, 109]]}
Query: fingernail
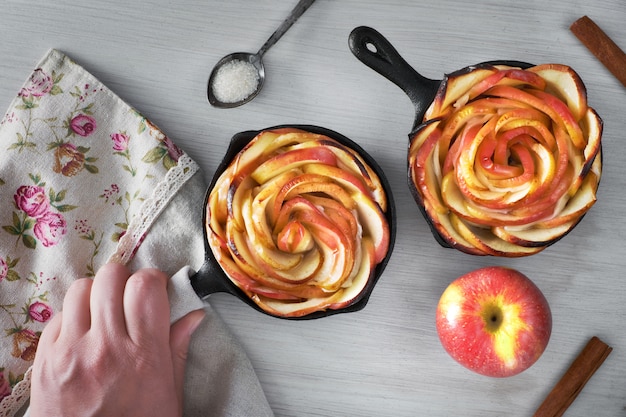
{"points": [[199, 317]]}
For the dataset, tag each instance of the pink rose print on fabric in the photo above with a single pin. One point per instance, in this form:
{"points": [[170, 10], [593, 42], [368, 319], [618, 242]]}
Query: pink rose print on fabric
{"points": [[25, 343], [4, 269], [32, 200], [5, 388], [167, 152], [40, 312], [38, 216], [50, 228], [39, 85], [173, 151], [120, 142], [120, 146], [83, 125]]}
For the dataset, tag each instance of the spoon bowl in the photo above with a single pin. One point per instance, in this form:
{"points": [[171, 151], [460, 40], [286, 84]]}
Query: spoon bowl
{"points": [[255, 60], [251, 62]]}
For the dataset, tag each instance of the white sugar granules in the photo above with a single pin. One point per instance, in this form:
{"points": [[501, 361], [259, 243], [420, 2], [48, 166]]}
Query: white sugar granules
{"points": [[235, 81]]}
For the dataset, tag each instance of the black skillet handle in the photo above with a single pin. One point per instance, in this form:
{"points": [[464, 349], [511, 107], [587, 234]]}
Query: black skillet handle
{"points": [[209, 279], [375, 51]]}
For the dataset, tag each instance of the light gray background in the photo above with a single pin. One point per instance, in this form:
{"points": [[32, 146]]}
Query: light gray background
{"points": [[385, 360]]}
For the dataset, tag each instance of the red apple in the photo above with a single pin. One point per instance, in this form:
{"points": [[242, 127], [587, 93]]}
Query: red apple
{"points": [[494, 321]]}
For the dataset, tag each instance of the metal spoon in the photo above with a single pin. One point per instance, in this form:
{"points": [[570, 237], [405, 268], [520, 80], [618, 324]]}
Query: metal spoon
{"points": [[256, 60]]}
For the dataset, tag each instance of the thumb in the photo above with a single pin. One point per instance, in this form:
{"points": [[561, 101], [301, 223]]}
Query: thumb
{"points": [[180, 337]]}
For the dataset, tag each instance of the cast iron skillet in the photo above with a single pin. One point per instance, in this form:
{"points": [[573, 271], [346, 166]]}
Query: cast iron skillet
{"points": [[212, 279], [375, 51]]}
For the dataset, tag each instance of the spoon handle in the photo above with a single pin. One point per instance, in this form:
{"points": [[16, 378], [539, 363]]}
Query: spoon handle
{"points": [[290, 20]]}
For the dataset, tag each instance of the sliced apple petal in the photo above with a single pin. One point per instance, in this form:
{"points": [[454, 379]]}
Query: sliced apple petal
{"points": [[445, 226], [535, 236], [593, 125], [575, 207], [290, 160], [454, 90], [489, 243], [335, 301], [371, 218], [353, 162], [565, 83]]}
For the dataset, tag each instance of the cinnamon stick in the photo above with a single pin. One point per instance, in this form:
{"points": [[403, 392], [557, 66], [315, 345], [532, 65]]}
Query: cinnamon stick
{"points": [[571, 384], [603, 47]]}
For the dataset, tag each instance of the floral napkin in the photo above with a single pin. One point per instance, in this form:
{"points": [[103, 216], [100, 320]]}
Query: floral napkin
{"points": [[85, 179]]}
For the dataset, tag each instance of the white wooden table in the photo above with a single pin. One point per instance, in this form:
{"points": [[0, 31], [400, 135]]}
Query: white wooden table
{"points": [[385, 360]]}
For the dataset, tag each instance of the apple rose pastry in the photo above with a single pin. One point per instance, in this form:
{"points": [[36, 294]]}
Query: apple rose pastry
{"points": [[507, 160], [297, 221]]}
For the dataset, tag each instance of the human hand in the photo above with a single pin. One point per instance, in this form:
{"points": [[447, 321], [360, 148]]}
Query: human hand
{"points": [[112, 351]]}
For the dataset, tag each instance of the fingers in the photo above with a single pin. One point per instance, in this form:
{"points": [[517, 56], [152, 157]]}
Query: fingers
{"points": [[180, 337], [76, 308], [118, 304], [146, 306], [107, 295]]}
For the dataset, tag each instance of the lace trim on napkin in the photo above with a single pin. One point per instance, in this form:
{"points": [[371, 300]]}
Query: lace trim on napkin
{"points": [[18, 397], [152, 207]]}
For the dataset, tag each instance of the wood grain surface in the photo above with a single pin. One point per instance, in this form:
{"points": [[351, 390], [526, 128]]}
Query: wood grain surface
{"points": [[385, 360]]}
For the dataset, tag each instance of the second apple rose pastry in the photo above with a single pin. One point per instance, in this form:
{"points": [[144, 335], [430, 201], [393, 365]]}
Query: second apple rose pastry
{"points": [[507, 160], [297, 221]]}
